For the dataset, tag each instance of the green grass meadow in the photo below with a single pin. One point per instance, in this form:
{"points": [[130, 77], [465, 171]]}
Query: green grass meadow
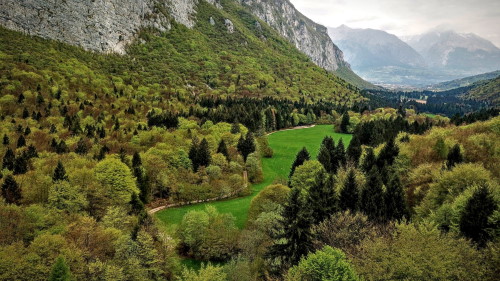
{"points": [[286, 144]]}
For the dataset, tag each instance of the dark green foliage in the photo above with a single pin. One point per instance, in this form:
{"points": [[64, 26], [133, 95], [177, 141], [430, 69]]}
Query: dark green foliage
{"points": [[136, 160], [222, 148], [292, 237], [31, 152], [59, 173], [349, 195], [369, 161], [372, 197], [8, 160], [395, 202], [344, 123], [340, 156], [474, 223], [324, 158], [235, 128], [81, 147], [27, 131], [388, 154], [21, 141], [199, 154], [5, 140], [301, 157], [11, 190], [354, 150], [60, 271], [454, 157], [61, 148], [330, 156], [136, 205], [246, 145], [321, 198], [20, 165]]}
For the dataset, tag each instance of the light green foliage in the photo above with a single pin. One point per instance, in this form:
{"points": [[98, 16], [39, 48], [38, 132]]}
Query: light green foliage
{"points": [[208, 234], [328, 264], [60, 271], [67, 197], [116, 179], [306, 175], [254, 168], [418, 252], [276, 193], [206, 273]]}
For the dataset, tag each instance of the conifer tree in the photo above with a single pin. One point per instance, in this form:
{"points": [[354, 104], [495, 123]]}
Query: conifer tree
{"points": [[372, 197], [454, 157], [321, 198], [204, 157], [293, 236], [235, 128], [388, 153], [301, 157], [344, 124], [136, 205], [59, 173], [349, 195], [20, 165], [369, 161], [193, 154], [6, 140], [60, 271], [11, 190], [136, 160], [354, 150], [246, 145], [339, 155], [81, 147], [324, 158], [395, 202], [8, 160], [21, 141], [222, 149], [474, 220], [31, 152]]}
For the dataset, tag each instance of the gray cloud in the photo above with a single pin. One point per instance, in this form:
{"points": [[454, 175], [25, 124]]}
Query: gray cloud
{"points": [[408, 17]]}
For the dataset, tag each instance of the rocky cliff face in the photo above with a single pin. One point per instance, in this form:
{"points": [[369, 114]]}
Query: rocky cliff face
{"points": [[109, 25], [308, 36]]}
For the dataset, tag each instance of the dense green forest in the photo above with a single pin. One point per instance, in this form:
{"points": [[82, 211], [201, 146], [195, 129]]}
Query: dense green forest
{"points": [[90, 142]]}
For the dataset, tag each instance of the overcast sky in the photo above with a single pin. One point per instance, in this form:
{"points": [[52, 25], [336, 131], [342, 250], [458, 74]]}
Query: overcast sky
{"points": [[408, 17]]}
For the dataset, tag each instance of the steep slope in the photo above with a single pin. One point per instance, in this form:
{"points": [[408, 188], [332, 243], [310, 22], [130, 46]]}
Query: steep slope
{"points": [[459, 53], [467, 81], [487, 91]]}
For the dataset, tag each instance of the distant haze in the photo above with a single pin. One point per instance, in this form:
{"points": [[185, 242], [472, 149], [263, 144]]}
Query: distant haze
{"points": [[408, 17]]}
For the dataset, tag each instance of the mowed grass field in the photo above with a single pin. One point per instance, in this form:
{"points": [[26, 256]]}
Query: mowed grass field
{"points": [[286, 145]]}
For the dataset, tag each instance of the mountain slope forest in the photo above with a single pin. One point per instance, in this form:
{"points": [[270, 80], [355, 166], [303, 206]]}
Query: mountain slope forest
{"points": [[91, 142]]}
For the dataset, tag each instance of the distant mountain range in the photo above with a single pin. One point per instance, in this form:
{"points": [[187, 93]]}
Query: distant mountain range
{"points": [[464, 82], [430, 58]]}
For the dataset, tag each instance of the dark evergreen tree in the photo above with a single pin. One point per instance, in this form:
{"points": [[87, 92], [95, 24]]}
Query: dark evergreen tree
{"points": [[21, 141], [136, 160], [222, 149], [123, 156], [26, 113], [292, 236], [59, 173], [301, 157], [388, 153], [62, 147], [193, 154], [321, 198], [474, 220], [369, 161], [20, 165], [27, 131], [136, 205], [354, 150], [395, 202], [246, 145], [344, 124], [324, 158], [349, 195], [81, 147], [60, 271], [31, 152], [6, 140], [11, 190], [204, 157], [339, 155], [8, 160], [454, 157], [372, 197], [235, 128]]}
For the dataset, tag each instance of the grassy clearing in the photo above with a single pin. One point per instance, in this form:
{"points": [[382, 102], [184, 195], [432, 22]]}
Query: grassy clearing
{"points": [[285, 144]]}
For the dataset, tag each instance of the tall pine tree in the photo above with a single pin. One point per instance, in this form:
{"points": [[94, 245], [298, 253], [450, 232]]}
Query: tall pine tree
{"points": [[59, 173], [321, 198], [395, 202], [344, 124], [339, 155], [354, 150], [8, 160], [204, 157], [388, 154], [474, 220], [222, 149], [301, 157], [369, 160], [292, 236], [11, 190], [372, 197], [349, 195], [454, 157]]}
